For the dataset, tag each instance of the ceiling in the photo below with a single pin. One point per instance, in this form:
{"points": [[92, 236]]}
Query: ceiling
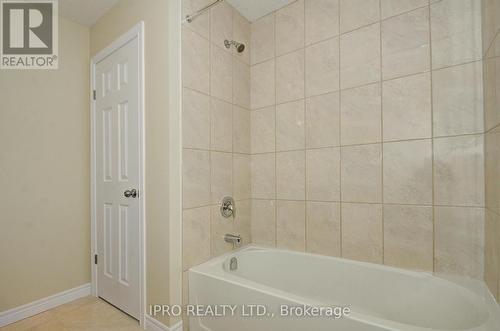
{"points": [[85, 12], [255, 9]]}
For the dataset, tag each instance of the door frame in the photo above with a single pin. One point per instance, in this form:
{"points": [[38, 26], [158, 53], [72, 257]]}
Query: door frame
{"points": [[135, 32]]}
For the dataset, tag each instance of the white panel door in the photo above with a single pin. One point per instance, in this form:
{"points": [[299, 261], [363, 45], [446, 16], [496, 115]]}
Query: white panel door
{"points": [[117, 176]]}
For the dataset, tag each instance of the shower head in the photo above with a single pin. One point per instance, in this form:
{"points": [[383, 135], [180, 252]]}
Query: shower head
{"points": [[239, 46]]}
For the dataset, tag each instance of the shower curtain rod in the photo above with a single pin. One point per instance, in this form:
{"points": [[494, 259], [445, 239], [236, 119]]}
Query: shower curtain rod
{"points": [[189, 18]]}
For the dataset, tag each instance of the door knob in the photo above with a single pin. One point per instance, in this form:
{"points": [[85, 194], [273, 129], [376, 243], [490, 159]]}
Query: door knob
{"points": [[130, 193]]}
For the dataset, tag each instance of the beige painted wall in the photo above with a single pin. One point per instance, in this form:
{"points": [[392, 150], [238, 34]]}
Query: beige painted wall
{"points": [[123, 16], [44, 174]]}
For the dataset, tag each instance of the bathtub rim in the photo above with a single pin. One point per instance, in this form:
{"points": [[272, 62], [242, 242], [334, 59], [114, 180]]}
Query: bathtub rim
{"points": [[216, 268]]}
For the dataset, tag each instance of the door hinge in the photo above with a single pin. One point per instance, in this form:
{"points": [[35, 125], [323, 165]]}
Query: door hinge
{"points": [[94, 94], [95, 259]]}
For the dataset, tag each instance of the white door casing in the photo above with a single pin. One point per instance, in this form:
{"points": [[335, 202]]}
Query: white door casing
{"points": [[118, 220]]}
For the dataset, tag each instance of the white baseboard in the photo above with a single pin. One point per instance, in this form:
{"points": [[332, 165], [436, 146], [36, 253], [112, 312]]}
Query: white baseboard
{"points": [[151, 324], [39, 306]]}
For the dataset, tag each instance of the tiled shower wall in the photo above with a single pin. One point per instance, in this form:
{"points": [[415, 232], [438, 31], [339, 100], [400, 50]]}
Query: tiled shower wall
{"points": [[216, 130], [367, 132], [491, 52]]}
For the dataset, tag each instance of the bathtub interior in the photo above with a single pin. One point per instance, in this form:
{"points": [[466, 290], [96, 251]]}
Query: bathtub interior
{"points": [[372, 291], [389, 293]]}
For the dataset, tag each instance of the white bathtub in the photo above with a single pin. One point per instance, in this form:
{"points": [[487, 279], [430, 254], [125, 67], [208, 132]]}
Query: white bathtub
{"points": [[380, 297]]}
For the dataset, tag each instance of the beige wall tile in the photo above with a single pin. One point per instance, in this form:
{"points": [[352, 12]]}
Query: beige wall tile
{"points": [[291, 225], [408, 237], [242, 219], [263, 133], [360, 56], [491, 252], [323, 228], [264, 222], [456, 32], [290, 126], [498, 289], [351, 62], [491, 87], [358, 13], [406, 105], [221, 74], [396, 7], [322, 67], [241, 130], [196, 178], [263, 89], [202, 23], [263, 176], [241, 33], [290, 77], [362, 173], [218, 228], [458, 100], [196, 120], [185, 288], [221, 174], [459, 241], [263, 45], [459, 171], [196, 61], [408, 172], [490, 25], [322, 20], [241, 176], [221, 24], [492, 170], [497, 102], [362, 232], [405, 44], [195, 241], [221, 114], [241, 84], [360, 115], [290, 28], [290, 175], [323, 174], [323, 121]]}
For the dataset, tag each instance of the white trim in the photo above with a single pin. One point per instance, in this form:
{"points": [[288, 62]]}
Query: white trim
{"points": [[44, 304], [175, 153], [136, 32], [151, 324]]}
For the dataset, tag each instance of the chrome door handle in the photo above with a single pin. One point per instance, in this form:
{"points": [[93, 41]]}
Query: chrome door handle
{"points": [[130, 193]]}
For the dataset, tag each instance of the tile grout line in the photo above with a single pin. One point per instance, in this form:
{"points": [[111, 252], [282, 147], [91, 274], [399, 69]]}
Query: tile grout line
{"points": [[304, 131], [210, 138], [341, 220], [362, 144], [354, 202], [485, 166], [233, 62], [432, 144], [275, 132], [382, 131]]}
